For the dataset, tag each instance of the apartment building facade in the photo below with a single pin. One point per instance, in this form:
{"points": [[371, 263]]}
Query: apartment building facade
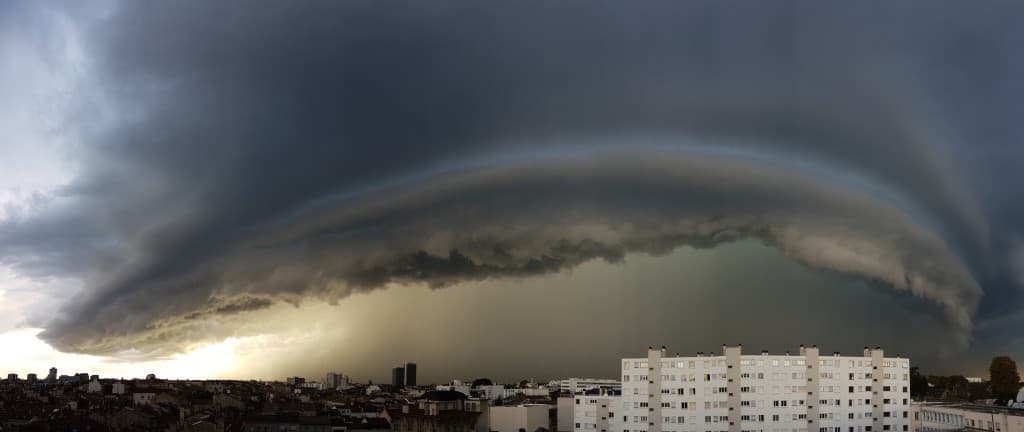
{"points": [[950, 416], [734, 392]]}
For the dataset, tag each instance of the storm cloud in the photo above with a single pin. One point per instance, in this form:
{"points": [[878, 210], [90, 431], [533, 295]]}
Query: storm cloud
{"points": [[240, 155]]}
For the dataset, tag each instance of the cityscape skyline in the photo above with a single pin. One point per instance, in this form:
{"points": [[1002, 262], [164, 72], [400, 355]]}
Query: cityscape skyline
{"points": [[332, 375], [730, 390]]}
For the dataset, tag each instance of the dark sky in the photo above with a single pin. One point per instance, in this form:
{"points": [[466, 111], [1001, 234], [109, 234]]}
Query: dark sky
{"points": [[847, 173]]}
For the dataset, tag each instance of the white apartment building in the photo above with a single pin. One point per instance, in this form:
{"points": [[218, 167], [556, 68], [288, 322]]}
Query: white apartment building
{"points": [[734, 392], [596, 412], [952, 416], [574, 385]]}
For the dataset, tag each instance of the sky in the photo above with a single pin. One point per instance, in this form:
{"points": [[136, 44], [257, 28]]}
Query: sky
{"points": [[262, 189]]}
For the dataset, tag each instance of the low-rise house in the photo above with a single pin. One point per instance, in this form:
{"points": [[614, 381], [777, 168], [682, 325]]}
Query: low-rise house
{"points": [[436, 411]]}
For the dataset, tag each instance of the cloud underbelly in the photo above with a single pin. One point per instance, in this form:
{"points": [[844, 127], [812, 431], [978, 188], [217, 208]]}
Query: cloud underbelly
{"points": [[519, 220]]}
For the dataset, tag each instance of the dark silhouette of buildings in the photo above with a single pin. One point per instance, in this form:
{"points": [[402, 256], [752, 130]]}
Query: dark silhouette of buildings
{"points": [[398, 376], [410, 374]]}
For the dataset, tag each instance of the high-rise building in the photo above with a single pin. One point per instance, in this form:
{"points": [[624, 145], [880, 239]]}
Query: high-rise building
{"points": [[397, 376], [12, 377], [32, 378], [331, 380], [335, 380], [53, 375], [410, 374], [735, 392]]}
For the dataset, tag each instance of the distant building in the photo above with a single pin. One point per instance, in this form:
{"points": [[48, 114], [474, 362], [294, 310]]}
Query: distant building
{"points": [[576, 385], [525, 391], [436, 411], [143, 398], [459, 386], [490, 392], [335, 380], [520, 418], [331, 380], [397, 376], [295, 380], [410, 374], [32, 378], [975, 379], [94, 385], [117, 388], [53, 375], [12, 377]]}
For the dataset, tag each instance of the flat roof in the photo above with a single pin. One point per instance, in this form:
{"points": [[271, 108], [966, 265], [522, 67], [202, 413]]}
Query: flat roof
{"points": [[987, 409]]}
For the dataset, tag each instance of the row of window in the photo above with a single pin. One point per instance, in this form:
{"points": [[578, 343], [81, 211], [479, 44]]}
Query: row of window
{"points": [[720, 362], [762, 403], [592, 426], [760, 376], [955, 420]]}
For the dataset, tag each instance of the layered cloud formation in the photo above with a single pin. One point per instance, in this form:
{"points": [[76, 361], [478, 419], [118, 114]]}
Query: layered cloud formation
{"points": [[241, 155]]}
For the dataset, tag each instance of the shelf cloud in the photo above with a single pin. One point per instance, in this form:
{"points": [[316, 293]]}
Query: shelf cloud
{"points": [[231, 161]]}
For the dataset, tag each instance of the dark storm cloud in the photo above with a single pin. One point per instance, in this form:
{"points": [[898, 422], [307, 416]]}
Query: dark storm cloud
{"points": [[263, 151]]}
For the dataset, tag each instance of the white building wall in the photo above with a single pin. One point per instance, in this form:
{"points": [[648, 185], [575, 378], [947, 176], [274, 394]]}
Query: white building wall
{"points": [[566, 407], [932, 417], [767, 393], [596, 413], [513, 418]]}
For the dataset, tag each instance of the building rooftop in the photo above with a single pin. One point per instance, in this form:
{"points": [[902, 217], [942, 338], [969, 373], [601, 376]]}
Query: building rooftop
{"points": [[444, 395], [987, 409]]}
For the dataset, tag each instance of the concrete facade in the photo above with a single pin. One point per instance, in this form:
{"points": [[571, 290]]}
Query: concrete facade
{"points": [[565, 414], [595, 413], [734, 392], [947, 416], [518, 418]]}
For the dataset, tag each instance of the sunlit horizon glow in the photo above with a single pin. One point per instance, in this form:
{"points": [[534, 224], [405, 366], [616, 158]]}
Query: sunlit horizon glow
{"points": [[25, 353]]}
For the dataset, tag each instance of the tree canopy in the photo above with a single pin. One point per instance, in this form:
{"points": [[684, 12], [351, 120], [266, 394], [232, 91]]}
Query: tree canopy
{"points": [[1004, 378]]}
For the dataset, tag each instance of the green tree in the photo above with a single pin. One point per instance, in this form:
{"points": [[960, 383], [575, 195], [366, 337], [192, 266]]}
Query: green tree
{"points": [[979, 391], [958, 387], [918, 383], [1004, 378], [939, 382]]}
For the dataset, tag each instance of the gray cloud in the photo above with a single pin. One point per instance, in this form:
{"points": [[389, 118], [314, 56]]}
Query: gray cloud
{"points": [[325, 148], [523, 220]]}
